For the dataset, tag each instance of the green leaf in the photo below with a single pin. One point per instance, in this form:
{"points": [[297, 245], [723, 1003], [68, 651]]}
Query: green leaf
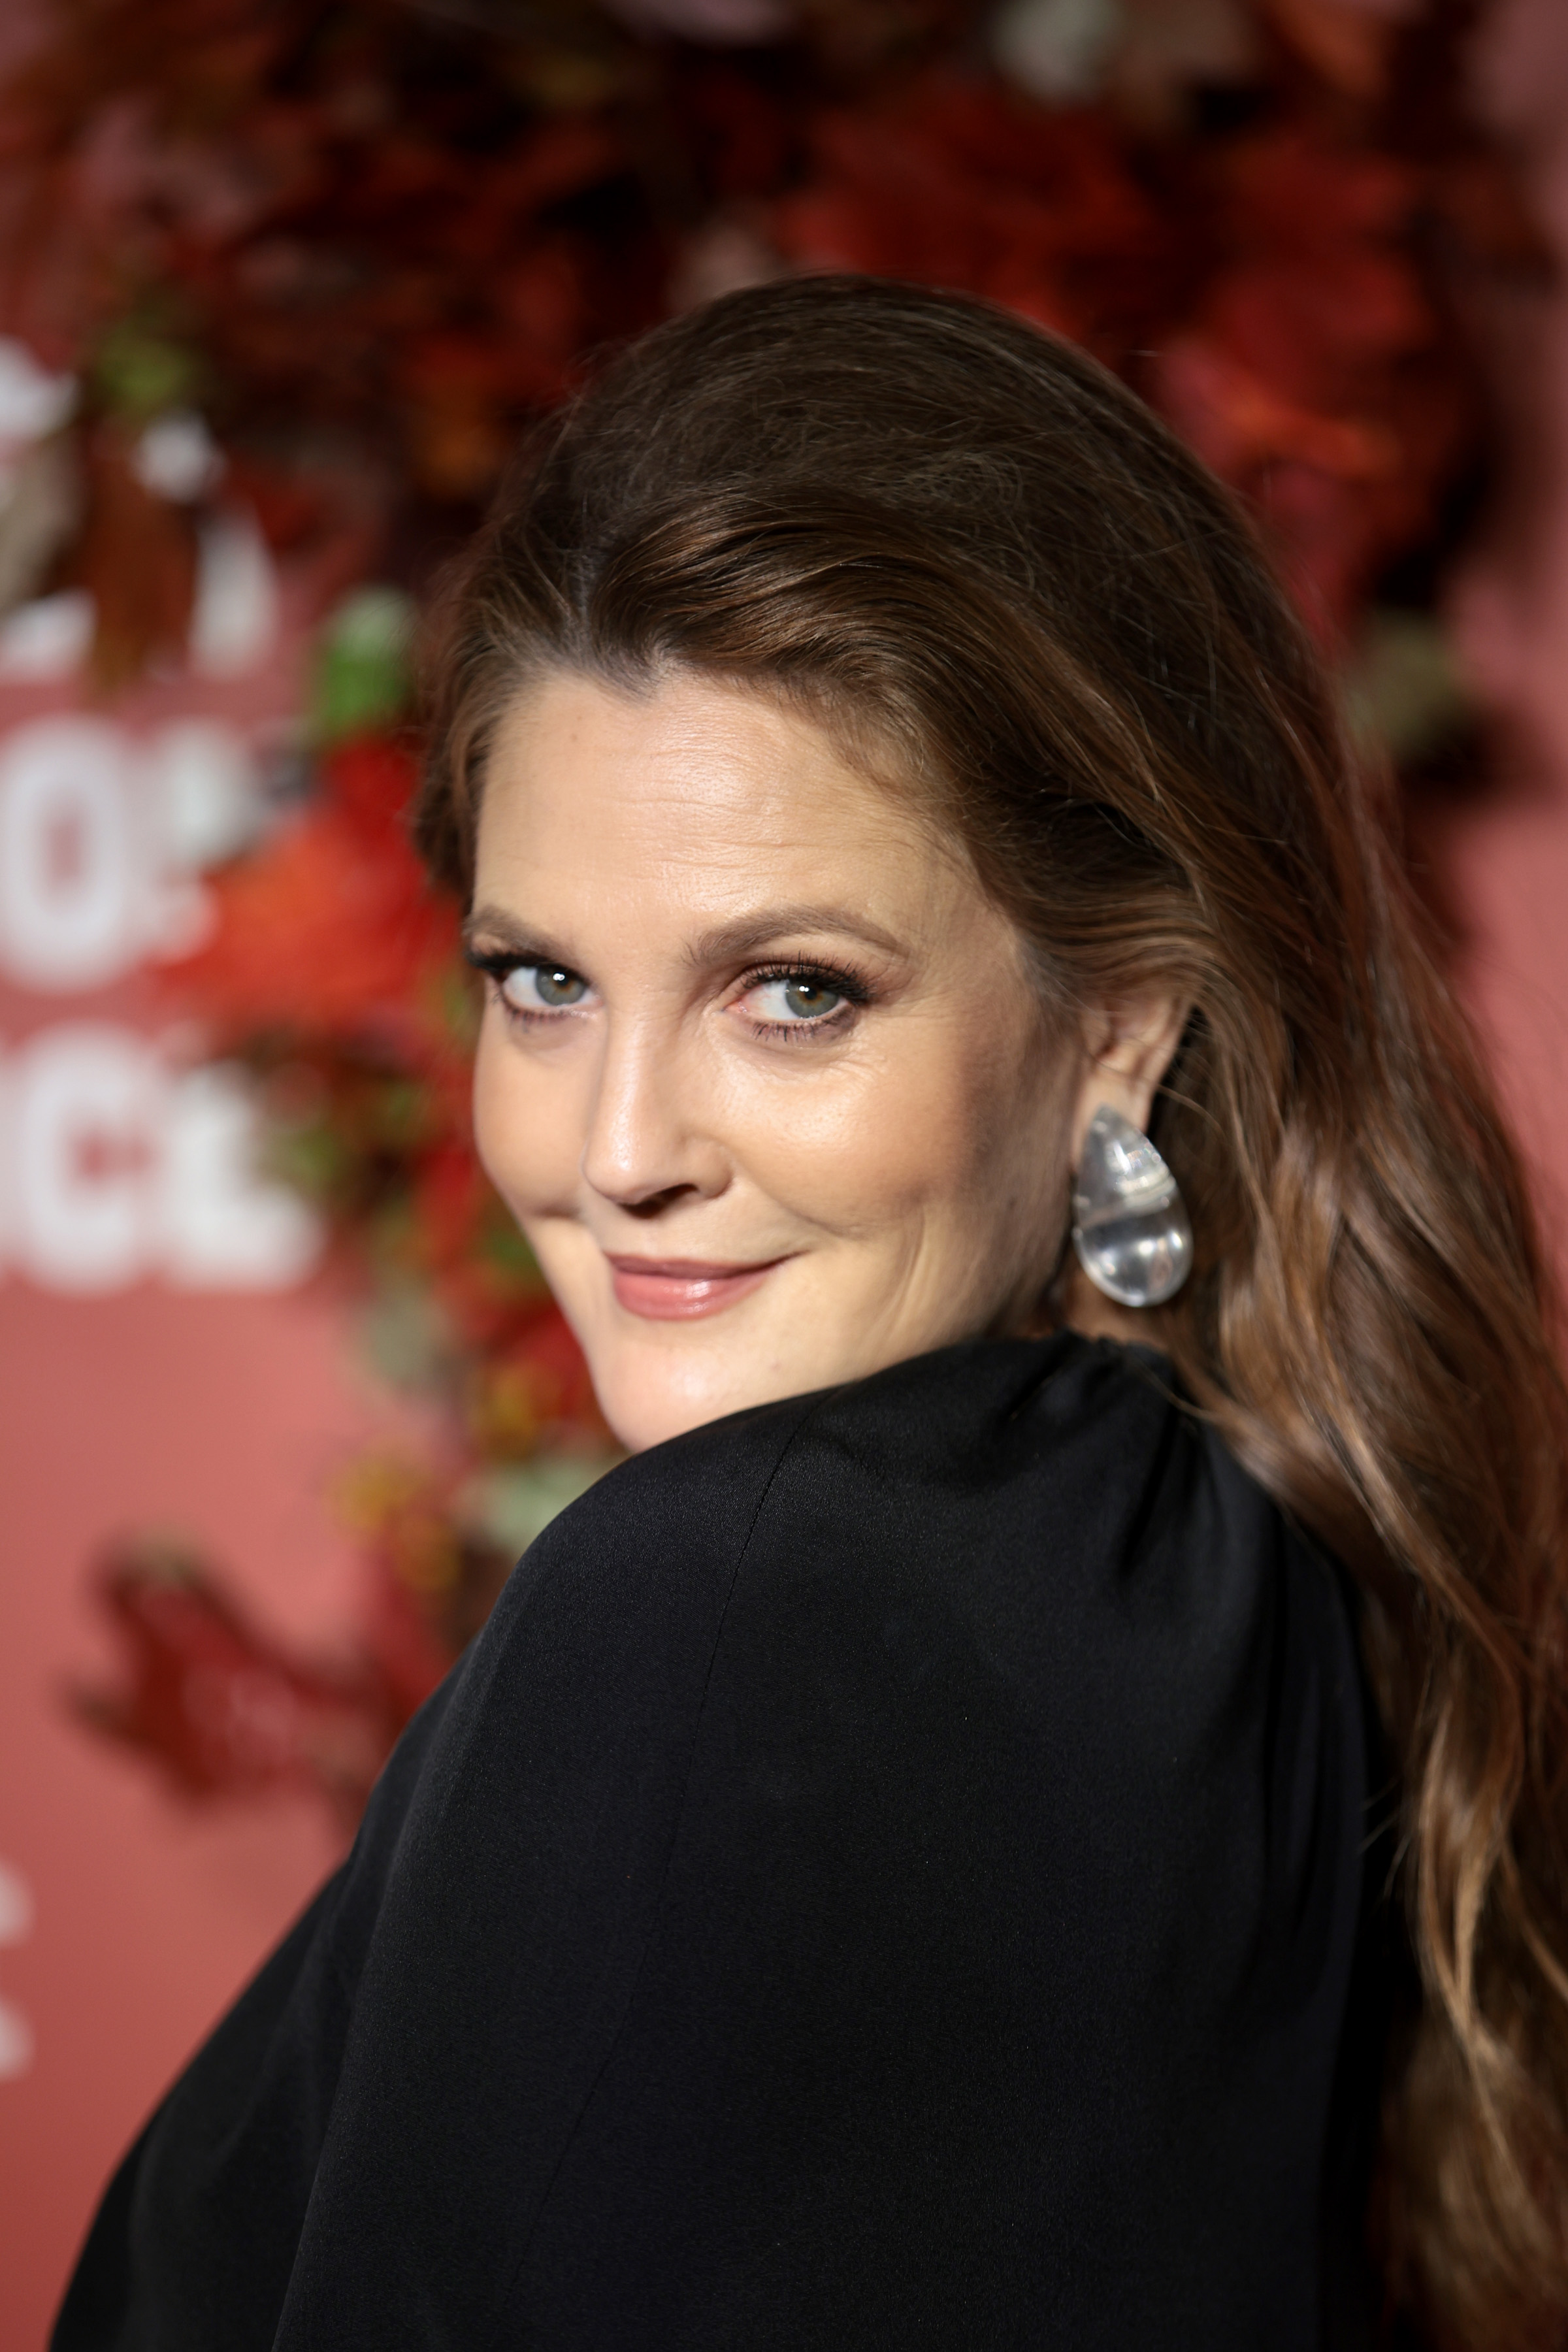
{"points": [[363, 674]]}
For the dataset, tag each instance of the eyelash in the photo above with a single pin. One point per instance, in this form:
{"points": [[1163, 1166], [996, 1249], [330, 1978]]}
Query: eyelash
{"points": [[499, 967], [846, 984]]}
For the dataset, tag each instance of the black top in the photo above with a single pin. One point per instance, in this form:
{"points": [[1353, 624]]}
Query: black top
{"points": [[887, 1875]]}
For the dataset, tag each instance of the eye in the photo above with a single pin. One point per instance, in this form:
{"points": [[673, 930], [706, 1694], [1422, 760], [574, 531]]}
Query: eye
{"points": [[802, 996], [544, 988], [798, 1000]]}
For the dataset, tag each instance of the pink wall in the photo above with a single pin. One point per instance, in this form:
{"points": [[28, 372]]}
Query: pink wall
{"points": [[1506, 857], [226, 1417], [168, 1393]]}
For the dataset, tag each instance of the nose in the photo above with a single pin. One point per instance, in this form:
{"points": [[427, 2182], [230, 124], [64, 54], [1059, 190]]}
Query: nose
{"points": [[648, 1143]]}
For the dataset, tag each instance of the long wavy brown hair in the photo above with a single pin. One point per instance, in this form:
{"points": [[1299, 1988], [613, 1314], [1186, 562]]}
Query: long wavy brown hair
{"points": [[1009, 591]]}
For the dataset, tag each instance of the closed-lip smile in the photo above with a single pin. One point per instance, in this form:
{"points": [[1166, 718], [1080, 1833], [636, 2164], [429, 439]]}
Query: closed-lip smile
{"points": [[680, 1289]]}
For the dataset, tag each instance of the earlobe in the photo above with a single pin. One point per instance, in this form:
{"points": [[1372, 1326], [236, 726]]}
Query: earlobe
{"points": [[1128, 1048]]}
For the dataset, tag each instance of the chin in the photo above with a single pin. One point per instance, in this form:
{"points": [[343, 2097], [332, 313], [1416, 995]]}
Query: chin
{"points": [[644, 1413], [645, 1402]]}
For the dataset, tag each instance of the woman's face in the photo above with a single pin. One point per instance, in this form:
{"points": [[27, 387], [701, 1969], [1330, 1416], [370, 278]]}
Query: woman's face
{"points": [[761, 1074]]}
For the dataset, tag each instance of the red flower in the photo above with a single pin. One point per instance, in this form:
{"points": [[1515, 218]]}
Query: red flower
{"points": [[225, 1710], [331, 927], [969, 186]]}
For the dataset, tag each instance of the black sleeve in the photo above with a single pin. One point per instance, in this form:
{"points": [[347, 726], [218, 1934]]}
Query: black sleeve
{"points": [[198, 2232], [139, 2266], [881, 1878], [349, 2134]]}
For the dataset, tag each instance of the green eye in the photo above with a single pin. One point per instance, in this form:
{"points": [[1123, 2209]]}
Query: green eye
{"points": [[544, 987], [792, 1000], [808, 999]]}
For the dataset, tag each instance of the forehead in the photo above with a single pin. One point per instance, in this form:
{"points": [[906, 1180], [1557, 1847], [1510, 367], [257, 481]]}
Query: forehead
{"points": [[705, 790]]}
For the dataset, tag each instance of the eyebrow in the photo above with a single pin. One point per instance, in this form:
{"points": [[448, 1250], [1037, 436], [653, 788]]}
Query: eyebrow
{"points": [[746, 935], [749, 933], [510, 936]]}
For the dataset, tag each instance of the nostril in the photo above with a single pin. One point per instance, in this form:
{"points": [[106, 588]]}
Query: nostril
{"points": [[657, 1202]]}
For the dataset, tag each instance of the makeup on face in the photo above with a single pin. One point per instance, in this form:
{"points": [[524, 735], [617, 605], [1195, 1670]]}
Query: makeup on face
{"points": [[761, 1072]]}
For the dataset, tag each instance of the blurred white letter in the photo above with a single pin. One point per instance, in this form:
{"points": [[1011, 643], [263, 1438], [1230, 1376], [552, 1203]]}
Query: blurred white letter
{"points": [[223, 1228], [16, 1926], [85, 1101], [69, 871]]}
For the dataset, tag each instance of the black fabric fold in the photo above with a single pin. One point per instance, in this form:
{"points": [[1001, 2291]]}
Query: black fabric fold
{"points": [[887, 1874]]}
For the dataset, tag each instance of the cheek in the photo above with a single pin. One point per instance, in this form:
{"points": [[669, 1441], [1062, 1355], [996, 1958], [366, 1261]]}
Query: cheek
{"points": [[974, 1143], [933, 1130], [523, 1126]]}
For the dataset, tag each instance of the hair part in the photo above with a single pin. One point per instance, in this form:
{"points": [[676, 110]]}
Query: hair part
{"points": [[1005, 587]]}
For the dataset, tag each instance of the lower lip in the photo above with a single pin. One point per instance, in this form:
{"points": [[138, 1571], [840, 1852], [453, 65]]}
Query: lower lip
{"points": [[680, 1294]]}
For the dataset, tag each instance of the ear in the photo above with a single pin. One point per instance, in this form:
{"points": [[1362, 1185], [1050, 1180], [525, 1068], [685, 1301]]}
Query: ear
{"points": [[1128, 1048]]}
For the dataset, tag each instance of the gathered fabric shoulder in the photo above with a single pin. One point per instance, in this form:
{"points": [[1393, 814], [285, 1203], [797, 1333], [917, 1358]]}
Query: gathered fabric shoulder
{"points": [[887, 1874]]}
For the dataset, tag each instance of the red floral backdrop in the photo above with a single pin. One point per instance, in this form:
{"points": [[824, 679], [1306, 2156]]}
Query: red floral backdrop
{"points": [[339, 256]]}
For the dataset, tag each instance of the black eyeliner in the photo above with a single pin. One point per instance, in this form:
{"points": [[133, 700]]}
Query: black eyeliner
{"points": [[848, 985], [498, 962]]}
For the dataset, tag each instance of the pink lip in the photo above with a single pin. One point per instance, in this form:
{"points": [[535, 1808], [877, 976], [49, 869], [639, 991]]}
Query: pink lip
{"points": [[680, 1289]]}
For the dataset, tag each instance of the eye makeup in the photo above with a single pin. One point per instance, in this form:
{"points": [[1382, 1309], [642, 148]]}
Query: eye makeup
{"points": [[550, 988], [799, 1021], [556, 988]]}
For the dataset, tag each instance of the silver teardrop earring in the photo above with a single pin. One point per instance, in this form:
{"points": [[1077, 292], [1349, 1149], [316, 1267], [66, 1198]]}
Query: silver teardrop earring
{"points": [[1129, 1223]]}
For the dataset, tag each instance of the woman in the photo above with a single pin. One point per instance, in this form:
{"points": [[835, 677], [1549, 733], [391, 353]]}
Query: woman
{"points": [[908, 1862]]}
